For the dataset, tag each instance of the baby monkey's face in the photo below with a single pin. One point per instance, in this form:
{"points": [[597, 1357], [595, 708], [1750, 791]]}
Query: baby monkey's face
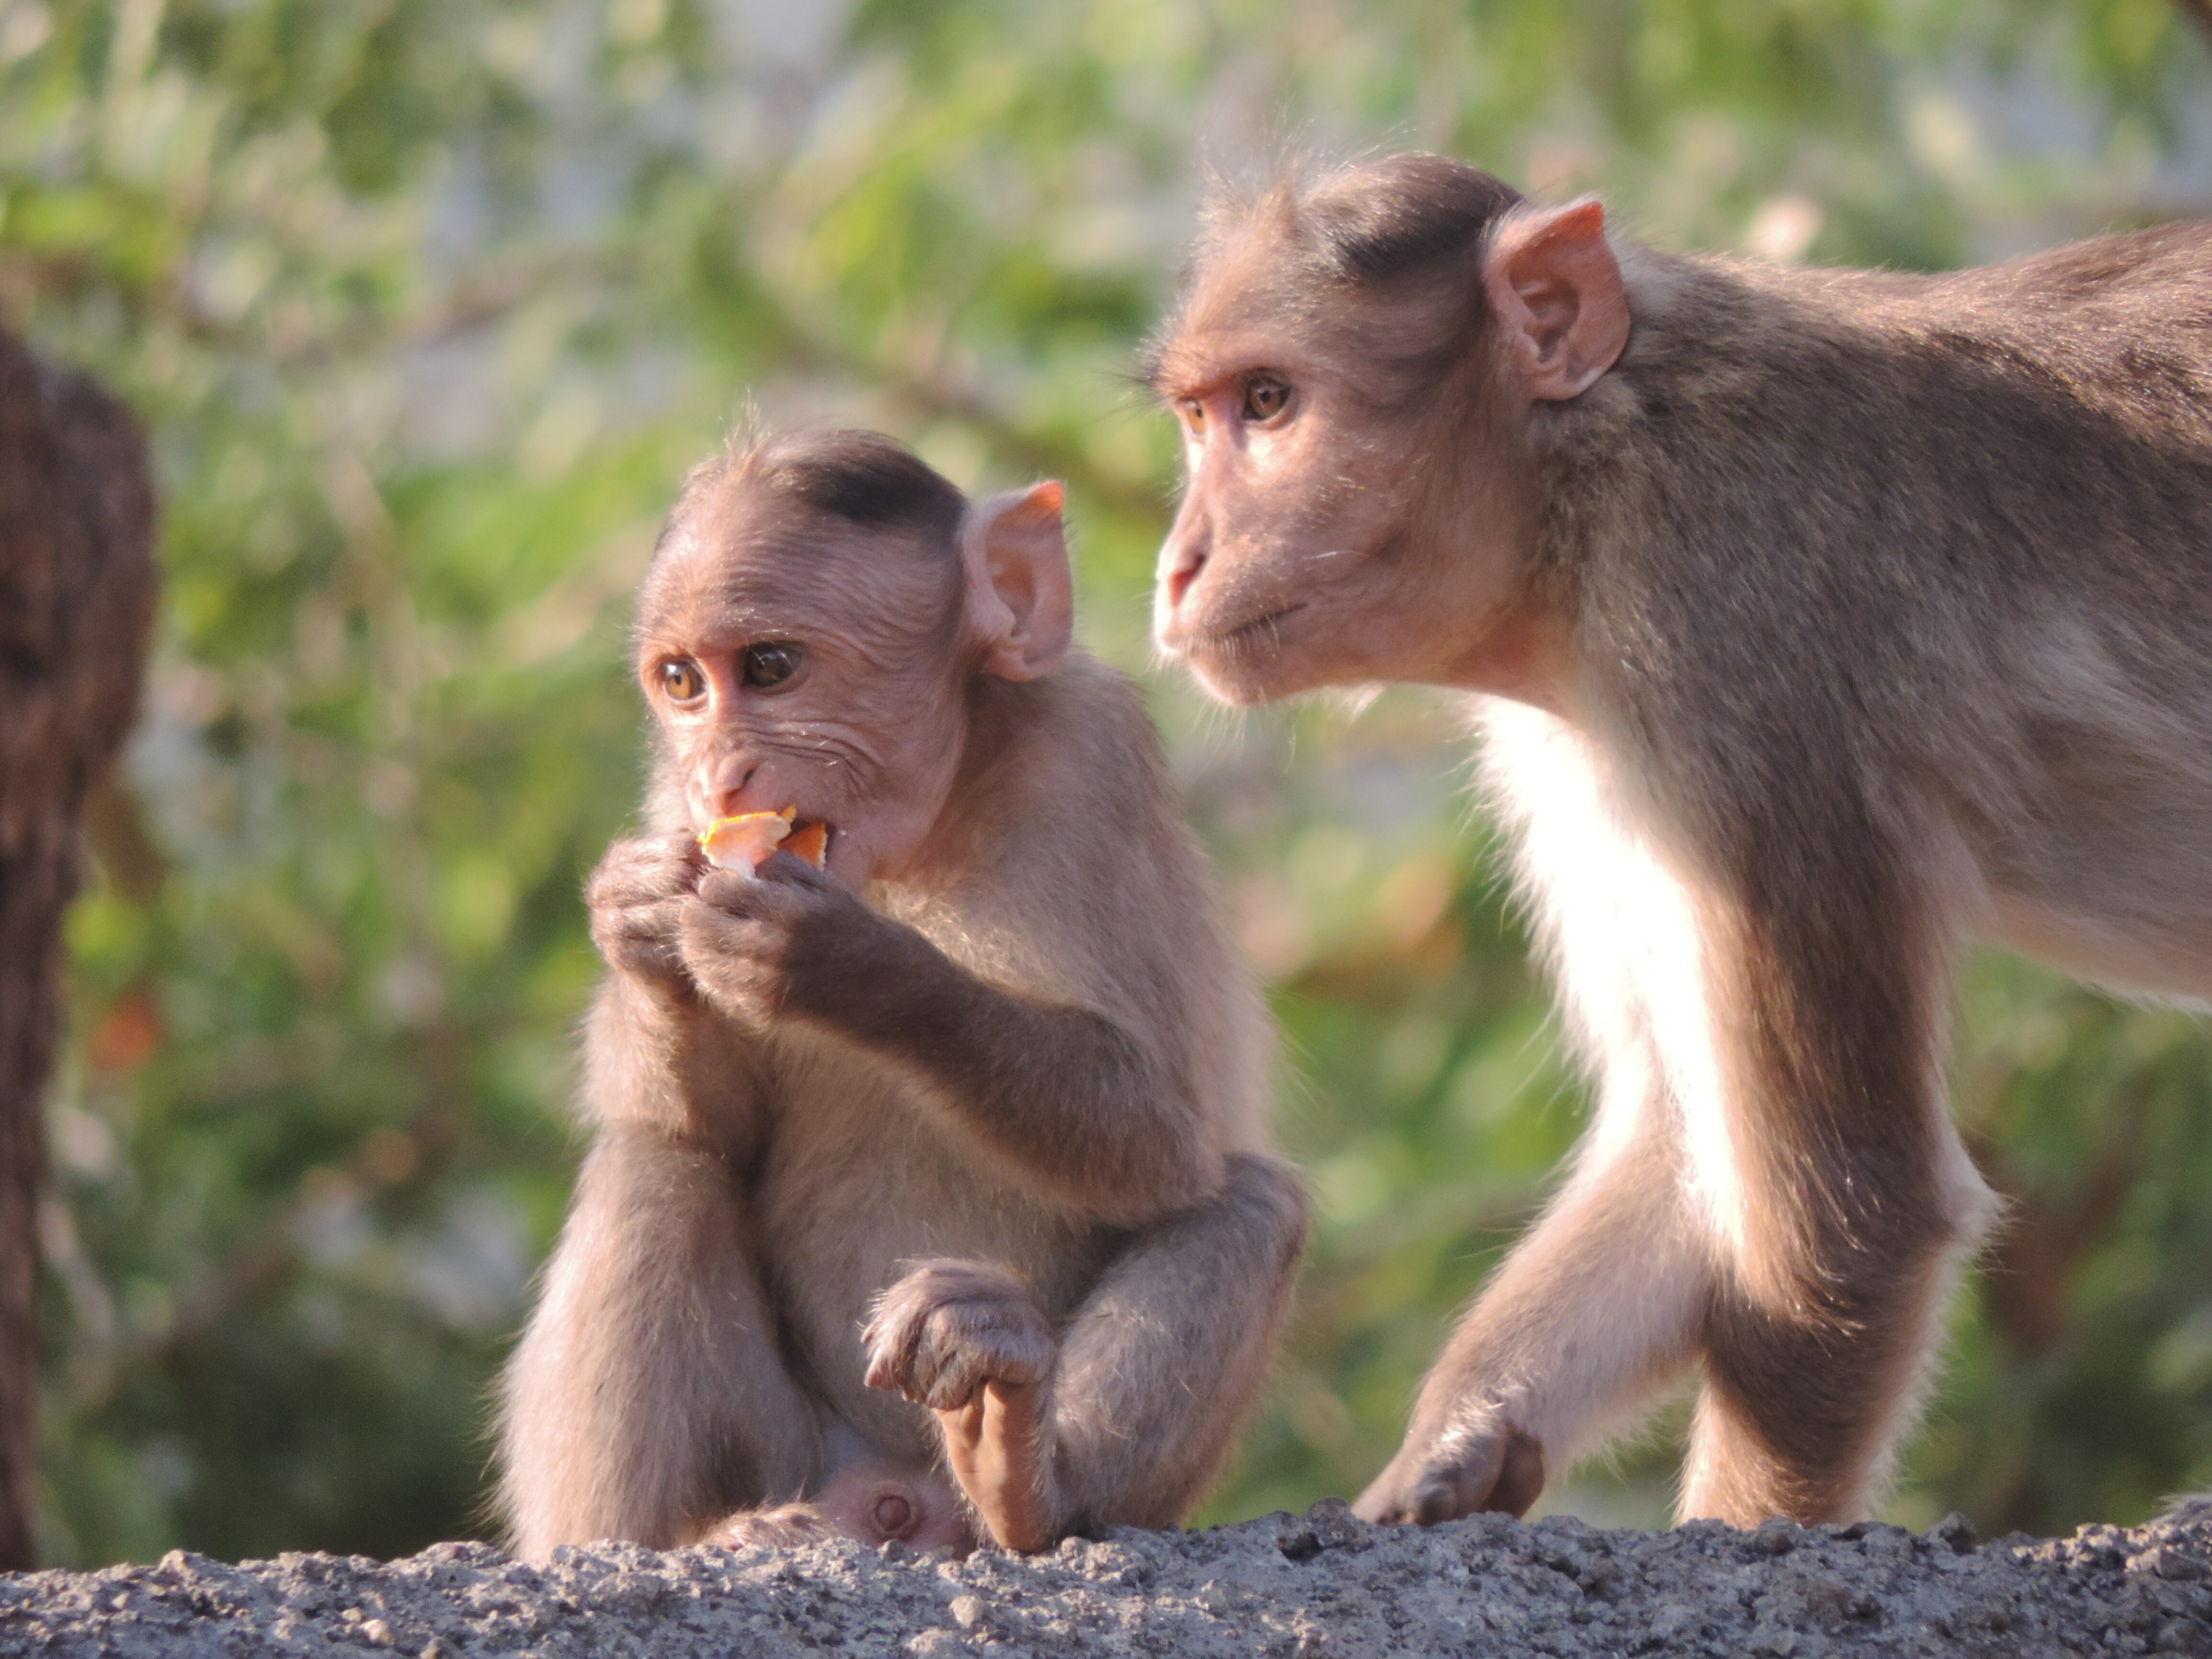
{"points": [[801, 661]]}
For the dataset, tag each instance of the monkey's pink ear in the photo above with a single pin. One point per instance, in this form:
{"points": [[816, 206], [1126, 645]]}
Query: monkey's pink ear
{"points": [[1557, 292], [1021, 596]]}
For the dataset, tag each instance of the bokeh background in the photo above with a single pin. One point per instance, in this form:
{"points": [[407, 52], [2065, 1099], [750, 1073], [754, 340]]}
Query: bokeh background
{"points": [[429, 303]]}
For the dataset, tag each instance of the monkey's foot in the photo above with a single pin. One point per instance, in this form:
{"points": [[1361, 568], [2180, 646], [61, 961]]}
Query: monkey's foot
{"points": [[1498, 1468], [869, 1504], [967, 1339], [786, 1526]]}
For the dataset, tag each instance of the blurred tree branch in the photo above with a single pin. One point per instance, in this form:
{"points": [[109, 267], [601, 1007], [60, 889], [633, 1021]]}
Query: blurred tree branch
{"points": [[77, 591]]}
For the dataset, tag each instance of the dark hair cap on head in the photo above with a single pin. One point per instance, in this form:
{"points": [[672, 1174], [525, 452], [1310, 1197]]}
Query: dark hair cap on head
{"points": [[861, 476], [1387, 220]]}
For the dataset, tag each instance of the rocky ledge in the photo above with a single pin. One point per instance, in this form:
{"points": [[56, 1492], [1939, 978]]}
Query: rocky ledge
{"points": [[1321, 1584]]}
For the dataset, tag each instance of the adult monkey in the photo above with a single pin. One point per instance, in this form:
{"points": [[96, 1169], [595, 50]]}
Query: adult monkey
{"points": [[993, 1084], [1818, 616]]}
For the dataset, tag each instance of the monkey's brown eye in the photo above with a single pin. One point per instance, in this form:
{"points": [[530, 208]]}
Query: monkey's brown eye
{"points": [[1265, 397], [1193, 414], [769, 665], [681, 681]]}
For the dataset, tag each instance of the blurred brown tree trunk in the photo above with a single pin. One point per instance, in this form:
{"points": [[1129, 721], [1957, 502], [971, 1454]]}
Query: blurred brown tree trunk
{"points": [[76, 603]]}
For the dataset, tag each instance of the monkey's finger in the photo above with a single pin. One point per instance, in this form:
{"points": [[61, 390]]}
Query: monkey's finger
{"points": [[643, 937], [714, 928], [633, 872], [680, 863], [784, 869], [903, 1310], [1012, 1342], [749, 992], [889, 1337], [677, 849], [733, 983], [638, 927], [883, 1374], [968, 1345], [735, 893], [919, 1359], [1501, 1471], [946, 1377], [893, 1333], [657, 918]]}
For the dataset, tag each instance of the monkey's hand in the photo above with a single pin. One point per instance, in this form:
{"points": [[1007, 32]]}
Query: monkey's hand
{"points": [[636, 899], [1485, 1465], [781, 941], [967, 1339]]}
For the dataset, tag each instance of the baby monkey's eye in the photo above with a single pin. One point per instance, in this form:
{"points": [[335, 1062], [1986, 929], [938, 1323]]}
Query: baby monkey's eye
{"points": [[681, 681], [1265, 397], [771, 664], [1193, 414]]}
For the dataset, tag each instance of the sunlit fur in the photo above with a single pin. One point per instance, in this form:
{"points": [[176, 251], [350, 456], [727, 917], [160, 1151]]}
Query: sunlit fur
{"points": [[1853, 613], [1016, 1100]]}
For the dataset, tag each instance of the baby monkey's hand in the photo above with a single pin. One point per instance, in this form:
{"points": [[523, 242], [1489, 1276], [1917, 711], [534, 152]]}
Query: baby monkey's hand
{"points": [[636, 899], [787, 940]]}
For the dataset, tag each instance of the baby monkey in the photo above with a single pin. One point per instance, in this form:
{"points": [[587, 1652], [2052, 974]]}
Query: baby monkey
{"points": [[931, 1194]]}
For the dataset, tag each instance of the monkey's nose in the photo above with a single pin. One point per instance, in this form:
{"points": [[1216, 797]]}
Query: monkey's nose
{"points": [[1182, 571], [729, 799]]}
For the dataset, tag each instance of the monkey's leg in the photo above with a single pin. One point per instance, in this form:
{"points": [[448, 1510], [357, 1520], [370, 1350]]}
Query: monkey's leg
{"points": [[647, 1398], [1854, 1201], [1801, 1410], [1123, 1421]]}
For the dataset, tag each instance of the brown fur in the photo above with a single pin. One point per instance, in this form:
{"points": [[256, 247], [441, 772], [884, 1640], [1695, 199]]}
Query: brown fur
{"points": [[1848, 612], [996, 1082]]}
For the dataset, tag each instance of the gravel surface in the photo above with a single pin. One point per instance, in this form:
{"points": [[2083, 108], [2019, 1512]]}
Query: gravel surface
{"points": [[1322, 1584]]}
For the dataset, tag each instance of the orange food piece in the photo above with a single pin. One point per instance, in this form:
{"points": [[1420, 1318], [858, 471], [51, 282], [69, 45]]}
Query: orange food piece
{"points": [[810, 839], [741, 842]]}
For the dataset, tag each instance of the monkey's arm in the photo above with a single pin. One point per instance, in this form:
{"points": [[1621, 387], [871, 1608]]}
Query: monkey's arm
{"points": [[1125, 1420], [1080, 1099], [655, 1052], [1770, 1185], [1600, 1301], [647, 1398]]}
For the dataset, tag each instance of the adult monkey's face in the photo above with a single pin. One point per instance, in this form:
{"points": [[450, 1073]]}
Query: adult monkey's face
{"points": [[1353, 367]]}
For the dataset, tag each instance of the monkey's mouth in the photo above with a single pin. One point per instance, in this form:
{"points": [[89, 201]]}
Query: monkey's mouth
{"points": [[745, 841], [1257, 638]]}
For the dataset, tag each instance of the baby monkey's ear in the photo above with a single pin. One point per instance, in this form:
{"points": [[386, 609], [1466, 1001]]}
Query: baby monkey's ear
{"points": [[1020, 613]]}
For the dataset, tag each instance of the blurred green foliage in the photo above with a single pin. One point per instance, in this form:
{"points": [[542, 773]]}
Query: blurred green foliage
{"points": [[429, 305]]}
